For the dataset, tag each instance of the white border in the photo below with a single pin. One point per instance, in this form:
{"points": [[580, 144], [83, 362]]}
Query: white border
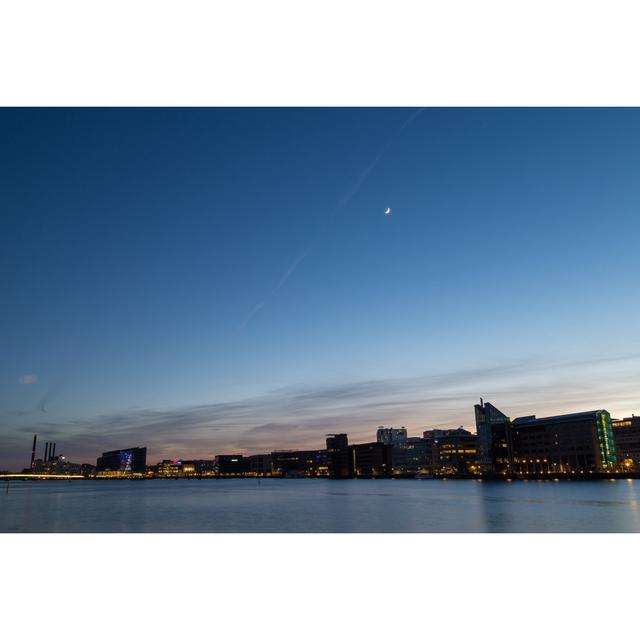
{"points": [[334, 52], [318, 586], [328, 52]]}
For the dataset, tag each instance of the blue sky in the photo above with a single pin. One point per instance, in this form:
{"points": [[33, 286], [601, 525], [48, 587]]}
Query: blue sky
{"points": [[214, 280]]}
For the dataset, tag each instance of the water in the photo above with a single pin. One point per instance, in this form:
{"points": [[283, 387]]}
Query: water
{"points": [[275, 505]]}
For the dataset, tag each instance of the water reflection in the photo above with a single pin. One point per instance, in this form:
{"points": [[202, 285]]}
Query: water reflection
{"points": [[274, 505]]}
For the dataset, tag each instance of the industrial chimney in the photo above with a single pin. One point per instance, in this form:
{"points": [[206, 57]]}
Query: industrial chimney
{"points": [[46, 452], [33, 449], [53, 452]]}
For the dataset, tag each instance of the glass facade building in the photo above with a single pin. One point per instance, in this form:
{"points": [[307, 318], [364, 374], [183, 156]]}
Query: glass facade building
{"points": [[123, 461]]}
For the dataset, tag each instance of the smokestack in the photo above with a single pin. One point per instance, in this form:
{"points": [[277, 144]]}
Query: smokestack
{"points": [[53, 453], [46, 452], [33, 449]]}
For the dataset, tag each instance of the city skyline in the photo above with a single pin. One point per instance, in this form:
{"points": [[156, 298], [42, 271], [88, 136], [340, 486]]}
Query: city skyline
{"points": [[225, 280], [504, 447]]}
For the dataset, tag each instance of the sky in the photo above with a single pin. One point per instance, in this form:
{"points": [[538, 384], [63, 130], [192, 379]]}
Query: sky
{"points": [[205, 281]]}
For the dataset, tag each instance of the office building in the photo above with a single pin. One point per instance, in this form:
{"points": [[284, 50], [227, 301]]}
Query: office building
{"points": [[122, 462], [260, 464], [414, 457], [168, 469], [204, 467], [188, 468], [299, 464], [572, 443], [454, 451], [392, 435], [231, 465], [339, 458], [372, 460], [495, 446], [626, 435]]}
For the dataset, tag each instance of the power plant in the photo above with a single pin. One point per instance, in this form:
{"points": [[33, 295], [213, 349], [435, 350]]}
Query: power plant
{"points": [[49, 451]]}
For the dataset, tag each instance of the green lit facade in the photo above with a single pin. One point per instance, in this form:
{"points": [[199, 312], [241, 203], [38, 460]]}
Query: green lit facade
{"points": [[606, 442], [564, 444]]}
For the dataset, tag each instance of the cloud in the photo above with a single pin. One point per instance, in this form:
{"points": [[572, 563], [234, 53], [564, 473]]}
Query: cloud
{"points": [[28, 378], [300, 417]]}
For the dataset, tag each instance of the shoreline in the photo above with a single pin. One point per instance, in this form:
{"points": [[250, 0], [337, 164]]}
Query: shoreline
{"points": [[580, 477]]}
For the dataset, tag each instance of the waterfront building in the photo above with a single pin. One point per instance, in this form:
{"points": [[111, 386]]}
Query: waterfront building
{"points": [[188, 468], [495, 446], [122, 462], [626, 435], [412, 457], [300, 464], [339, 458], [261, 464], [231, 465], [454, 451], [571, 443], [169, 469], [397, 437], [204, 467], [87, 470], [372, 459], [56, 466]]}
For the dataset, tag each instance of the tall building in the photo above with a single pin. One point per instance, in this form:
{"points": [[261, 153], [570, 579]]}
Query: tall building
{"points": [[574, 442], [392, 435], [495, 446], [339, 459], [122, 461], [626, 434]]}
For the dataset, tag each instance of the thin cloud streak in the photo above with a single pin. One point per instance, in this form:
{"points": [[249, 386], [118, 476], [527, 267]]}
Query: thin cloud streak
{"points": [[299, 417], [342, 203]]}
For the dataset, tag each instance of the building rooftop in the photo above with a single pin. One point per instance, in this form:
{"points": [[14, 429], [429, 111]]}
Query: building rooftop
{"points": [[561, 418]]}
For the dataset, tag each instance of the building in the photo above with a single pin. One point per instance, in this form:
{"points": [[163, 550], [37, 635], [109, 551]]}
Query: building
{"points": [[260, 464], [300, 464], [495, 446], [372, 460], [168, 469], [122, 462], [392, 435], [188, 468], [87, 470], [626, 435], [204, 467], [414, 457], [454, 451], [339, 458], [56, 466], [231, 465], [572, 443]]}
